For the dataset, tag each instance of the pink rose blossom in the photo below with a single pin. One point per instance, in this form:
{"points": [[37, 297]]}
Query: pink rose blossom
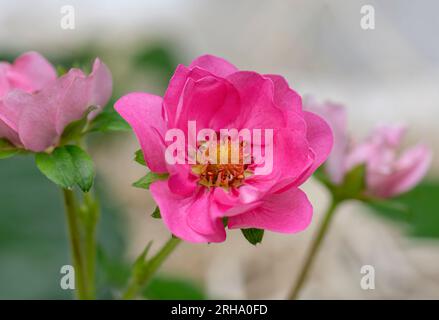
{"points": [[215, 94], [36, 106], [387, 173]]}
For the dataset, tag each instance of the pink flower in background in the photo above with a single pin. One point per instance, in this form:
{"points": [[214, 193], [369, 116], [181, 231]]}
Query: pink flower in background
{"points": [[36, 106], [215, 94], [388, 173]]}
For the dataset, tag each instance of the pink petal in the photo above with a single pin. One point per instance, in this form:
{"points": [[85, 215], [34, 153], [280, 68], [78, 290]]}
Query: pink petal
{"points": [[144, 113], [379, 149], [319, 136], [204, 217], [172, 97], [336, 117], [175, 211], [10, 110], [77, 92], [212, 102], [31, 72], [320, 139], [35, 122], [8, 133], [258, 109], [408, 171], [72, 93], [215, 65], [181, 181], [286, 212], [284, 96], [390, 136], [101, 84], [231, 201], [4, 83], [290, 159]]}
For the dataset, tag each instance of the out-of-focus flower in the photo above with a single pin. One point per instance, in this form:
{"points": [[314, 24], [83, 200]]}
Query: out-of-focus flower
{"points": [[36, 106], [388, 173], [196, 197]]}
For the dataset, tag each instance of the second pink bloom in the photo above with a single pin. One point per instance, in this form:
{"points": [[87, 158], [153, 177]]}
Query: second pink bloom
{"points": [[36, 105]]}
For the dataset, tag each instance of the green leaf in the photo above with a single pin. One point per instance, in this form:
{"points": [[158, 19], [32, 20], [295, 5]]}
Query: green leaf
{"points": [[57, 167], [7, 149], [253, 235], [109, 121], [76, 128], [150, 177], [67, 166], [84, 167], [138, 157], [416, 210], [156, 214]]}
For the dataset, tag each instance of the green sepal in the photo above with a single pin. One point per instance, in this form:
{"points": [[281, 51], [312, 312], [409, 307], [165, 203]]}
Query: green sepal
{"points": [[253, 235], [138, 157], [156, 214], [148, 179]]}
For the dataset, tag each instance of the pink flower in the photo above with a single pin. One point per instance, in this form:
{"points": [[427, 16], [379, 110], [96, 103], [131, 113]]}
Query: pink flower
{"points": [[36, 106], [215, 94], [387, 173]]}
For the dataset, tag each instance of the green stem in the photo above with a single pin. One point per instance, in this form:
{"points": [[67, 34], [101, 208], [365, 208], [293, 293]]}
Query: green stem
{"points": [[140, 279], [75, 243], [90, 222], [315, 246]]}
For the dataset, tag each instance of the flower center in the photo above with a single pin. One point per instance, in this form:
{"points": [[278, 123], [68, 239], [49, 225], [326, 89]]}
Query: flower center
{"points": [[217, 166]]}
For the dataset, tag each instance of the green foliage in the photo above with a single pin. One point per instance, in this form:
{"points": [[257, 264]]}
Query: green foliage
{"points": [[148, 179], [67, 166], [417, 210], [253, 235], [33, 239]]}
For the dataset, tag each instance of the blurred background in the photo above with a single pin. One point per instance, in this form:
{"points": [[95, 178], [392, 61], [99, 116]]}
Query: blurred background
{"points": [[386, 75]]}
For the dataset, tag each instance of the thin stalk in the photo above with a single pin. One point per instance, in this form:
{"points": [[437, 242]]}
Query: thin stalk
{"points": [[315, 246], [75, 243], [90, 222]]}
